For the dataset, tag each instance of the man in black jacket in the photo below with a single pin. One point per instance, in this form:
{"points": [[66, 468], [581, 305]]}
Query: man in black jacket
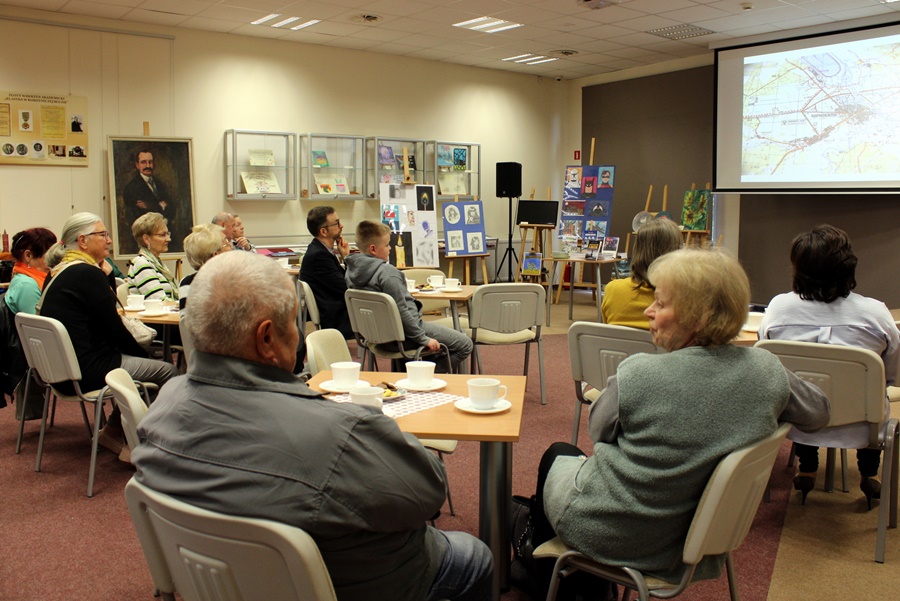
{"points": [[322, 270]]}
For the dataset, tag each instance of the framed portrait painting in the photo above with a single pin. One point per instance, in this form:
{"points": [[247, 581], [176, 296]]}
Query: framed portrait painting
{"points": [[150, 175]]}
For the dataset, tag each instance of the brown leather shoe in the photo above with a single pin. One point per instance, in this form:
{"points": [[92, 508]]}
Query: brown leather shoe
{"points": [[111, 441]]}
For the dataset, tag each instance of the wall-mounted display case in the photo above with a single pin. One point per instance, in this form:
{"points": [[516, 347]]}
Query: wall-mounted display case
{"points": [[455, 167], [260, 165], [332, 167], [384, 162]]}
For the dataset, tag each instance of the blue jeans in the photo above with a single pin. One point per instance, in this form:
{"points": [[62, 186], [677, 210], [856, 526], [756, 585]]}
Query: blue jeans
{"points": [[465, 571]]}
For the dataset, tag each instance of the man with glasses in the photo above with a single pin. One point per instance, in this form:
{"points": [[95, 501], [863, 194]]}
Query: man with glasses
{"points": [[322, 270], [146, 193]]}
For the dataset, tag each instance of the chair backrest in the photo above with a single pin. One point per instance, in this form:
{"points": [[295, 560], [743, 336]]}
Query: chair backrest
{"points": [[48, 348], [852, 379], [596, 349], [731, 498], [205, 556], [129, 401], [187, 341], [374, 316], [324, 347], [308, 300], [122, 293], [507, 308], [420, 275]]}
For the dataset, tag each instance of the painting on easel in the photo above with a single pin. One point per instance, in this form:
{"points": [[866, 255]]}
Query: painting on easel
{"points": [[696, 209]]}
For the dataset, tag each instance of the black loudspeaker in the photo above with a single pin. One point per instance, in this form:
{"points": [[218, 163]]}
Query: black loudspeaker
{"points": [[509, 180]]}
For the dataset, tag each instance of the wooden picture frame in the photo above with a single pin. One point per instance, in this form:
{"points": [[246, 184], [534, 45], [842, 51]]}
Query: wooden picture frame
{"points": [[131, 196]]}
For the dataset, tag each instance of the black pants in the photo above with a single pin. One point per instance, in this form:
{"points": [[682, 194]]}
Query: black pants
{"points": [[867, 460]]}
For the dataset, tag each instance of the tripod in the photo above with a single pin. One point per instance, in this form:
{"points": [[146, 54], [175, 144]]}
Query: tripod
{"points": [[509, 256]]}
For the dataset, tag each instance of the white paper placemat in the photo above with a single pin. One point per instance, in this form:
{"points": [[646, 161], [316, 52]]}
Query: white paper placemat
{"points": [[413, 402]]}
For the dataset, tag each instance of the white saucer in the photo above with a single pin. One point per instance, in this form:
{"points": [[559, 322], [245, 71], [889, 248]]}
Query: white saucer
{"points": [[466, 405], [127, 308], [452, 289], [154, 314], [750, 328], [435, 385], [330, 386]]}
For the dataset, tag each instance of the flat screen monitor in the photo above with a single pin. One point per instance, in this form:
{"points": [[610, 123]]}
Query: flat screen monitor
{"points": [[538, 212], [812, 114]]}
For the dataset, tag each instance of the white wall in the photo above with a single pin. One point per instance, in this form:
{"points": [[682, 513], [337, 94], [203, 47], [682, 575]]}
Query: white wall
{"points": [[197, 84]]}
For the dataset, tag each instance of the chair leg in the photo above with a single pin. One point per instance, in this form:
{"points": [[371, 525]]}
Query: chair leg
{"points": [[53, 411], [449, 497], [541, 371], [95, 441], [527, 357], [732, 582], [40, 453], [846, 486], [887, 511], [576, 424], [22, 421]]}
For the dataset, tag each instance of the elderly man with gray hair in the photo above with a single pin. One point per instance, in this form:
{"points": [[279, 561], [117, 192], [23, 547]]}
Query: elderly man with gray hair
{"points": [[226, 220], [240, 434]]}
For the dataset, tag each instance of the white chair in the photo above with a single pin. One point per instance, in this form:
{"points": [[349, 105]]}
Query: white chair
{"points": [[721, 522], [501, 314], [122, 293], [853, 380], [308, 307], [324, 347], [205, 556], [595, 351], [375, 320], [131, 405], [187, 340], [49, 352]]}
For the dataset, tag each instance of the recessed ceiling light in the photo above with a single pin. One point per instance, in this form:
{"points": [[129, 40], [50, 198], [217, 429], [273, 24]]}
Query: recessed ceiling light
{"points": [[680, 32], [546, 60], [487, 24], [512, 58], [264, 19], [286, 21], [306, 24]]}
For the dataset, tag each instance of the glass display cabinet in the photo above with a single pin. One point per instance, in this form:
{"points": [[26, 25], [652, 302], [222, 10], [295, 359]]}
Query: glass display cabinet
{"points": [[260, 165], [384, 163], [455, 167], [333, 167]]}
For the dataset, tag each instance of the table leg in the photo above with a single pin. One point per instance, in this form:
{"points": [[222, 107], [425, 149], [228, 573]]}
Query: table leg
{"points": [[550, 289], [167, 343], [494, 507], [598, 289], [454, 312], [571, 289]]}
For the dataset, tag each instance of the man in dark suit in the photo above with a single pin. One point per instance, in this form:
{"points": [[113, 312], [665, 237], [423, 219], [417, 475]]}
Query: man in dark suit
{"points": [[322, 270], [147, 194]]}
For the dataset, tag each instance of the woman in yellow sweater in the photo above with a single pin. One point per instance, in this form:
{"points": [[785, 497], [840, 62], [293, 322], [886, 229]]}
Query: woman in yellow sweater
{"points": [[625, 300]]}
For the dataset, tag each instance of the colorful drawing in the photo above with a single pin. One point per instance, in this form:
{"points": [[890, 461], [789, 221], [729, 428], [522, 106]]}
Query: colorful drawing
{"points": [[444, 155], [459, 159], [696, 209], [386, 156], [320, 159]]}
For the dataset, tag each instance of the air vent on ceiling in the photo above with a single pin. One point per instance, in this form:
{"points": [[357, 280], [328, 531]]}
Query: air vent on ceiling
{"points": [[367, 19], [595, 4], [680, 32], [563, 53]]}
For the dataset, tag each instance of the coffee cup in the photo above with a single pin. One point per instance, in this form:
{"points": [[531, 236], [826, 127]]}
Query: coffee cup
{"points": [[485, 392], [345, 373], [435, 281], [452, 284], [135, 301], [366, 395], [410, 285], [153, 305], [420, 373]]}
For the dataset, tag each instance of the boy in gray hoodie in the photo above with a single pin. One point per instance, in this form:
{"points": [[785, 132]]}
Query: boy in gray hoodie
{"points": [[370, 270]]}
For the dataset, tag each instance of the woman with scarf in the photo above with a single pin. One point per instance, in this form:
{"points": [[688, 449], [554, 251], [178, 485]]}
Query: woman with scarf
{"points": [[30, 270], [148, 275], [80, 294]]}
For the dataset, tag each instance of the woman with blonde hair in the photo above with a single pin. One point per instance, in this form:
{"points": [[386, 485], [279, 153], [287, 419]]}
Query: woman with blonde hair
{"points": [[205, 241], [80, 295], [148, 275], [626, 299], [664, 421]]}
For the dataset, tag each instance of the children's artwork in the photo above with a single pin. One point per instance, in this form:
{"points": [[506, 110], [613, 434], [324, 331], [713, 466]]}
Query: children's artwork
{"points": [[386, 157], [425, 198], [444, 155], [459, 159], [531, 263], [610, 245], [411, 160], [340, 185], [325, 184], [473, 213], [319, 158], [464, 228], [696, 209], [414, 237], [587, 200], [452, 183]]}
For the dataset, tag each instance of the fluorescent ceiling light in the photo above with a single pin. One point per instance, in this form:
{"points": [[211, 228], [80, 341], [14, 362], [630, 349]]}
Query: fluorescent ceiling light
{"points": [[512, 58], [487, 25], [546, 60], [286, 21], [306, 24], [264, 19]]}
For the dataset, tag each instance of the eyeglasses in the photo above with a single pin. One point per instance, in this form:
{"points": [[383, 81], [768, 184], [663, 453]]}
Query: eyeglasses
{"points": [[337, 223], [163, 235], [104, 234]]}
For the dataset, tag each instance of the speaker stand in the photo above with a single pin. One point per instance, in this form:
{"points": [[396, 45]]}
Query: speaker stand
{"points": [[509, 256]]}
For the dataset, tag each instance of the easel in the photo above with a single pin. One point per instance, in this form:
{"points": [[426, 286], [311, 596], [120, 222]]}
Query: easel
{"points": [[647, 210], [537, 240], [467, 270], [407, 178]]}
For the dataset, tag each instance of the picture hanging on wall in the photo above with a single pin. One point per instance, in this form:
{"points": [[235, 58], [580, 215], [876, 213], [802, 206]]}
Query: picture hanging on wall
{"points": [[151, 175], [43, 129], [464, 228], [587, 201]]}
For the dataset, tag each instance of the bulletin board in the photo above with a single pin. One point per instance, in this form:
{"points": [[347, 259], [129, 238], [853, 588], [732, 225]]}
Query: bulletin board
{"points": [[43, 129], [464, 228], [587, 201], [409, 211]]}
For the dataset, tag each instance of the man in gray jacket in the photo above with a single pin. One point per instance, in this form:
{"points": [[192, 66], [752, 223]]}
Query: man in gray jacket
{"points": [[240, 434], [370, 270]]}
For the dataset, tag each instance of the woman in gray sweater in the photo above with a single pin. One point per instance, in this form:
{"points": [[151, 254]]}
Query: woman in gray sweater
{"points": [[664, 421]]}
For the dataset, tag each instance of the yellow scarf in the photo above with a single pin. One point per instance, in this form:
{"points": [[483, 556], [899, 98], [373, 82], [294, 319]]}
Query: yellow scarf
{"points": [[71, 256]]}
